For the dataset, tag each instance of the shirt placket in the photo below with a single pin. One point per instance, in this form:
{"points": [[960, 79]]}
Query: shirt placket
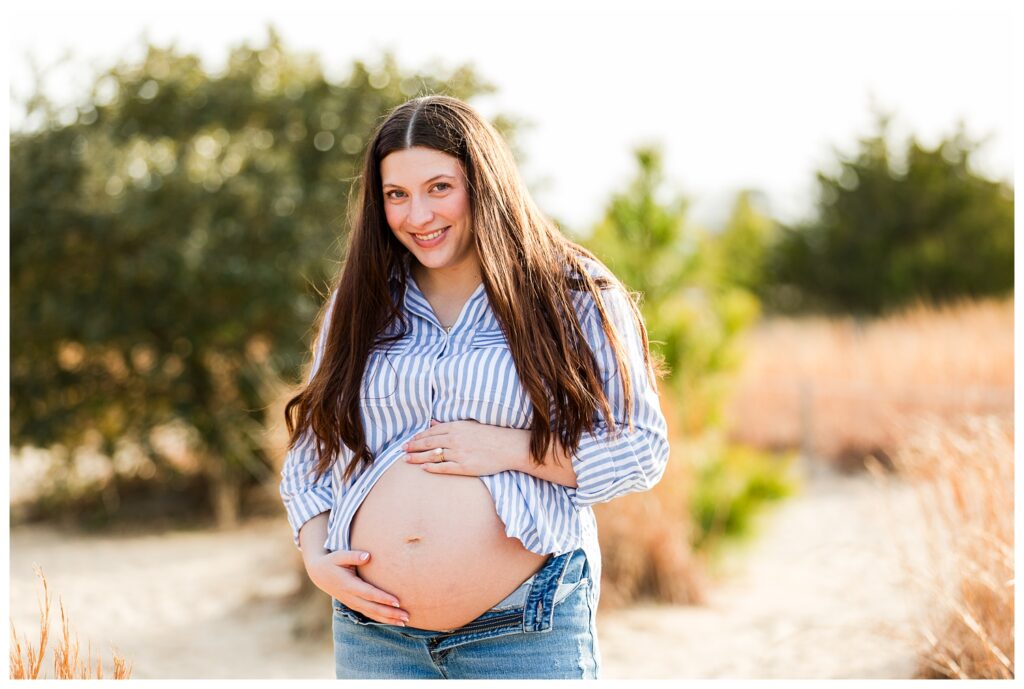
{"points": [[417, 304]]}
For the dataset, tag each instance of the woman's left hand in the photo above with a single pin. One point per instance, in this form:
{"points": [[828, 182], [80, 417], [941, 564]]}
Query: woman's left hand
{"points": [[471, 448]]}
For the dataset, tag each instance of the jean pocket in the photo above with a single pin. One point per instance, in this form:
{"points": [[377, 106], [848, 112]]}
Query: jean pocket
{"points": [[577, 569], [566, 589], [575, 575]]}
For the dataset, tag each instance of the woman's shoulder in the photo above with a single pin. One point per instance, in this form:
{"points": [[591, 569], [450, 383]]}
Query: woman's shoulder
{"points": [[611, 290], [591, 265]]}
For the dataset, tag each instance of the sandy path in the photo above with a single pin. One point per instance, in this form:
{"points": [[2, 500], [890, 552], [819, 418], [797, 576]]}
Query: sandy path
{"points": [[820, 594], [810, 599]]}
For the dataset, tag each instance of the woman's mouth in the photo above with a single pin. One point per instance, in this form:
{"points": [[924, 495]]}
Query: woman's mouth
{"points": [[430, 239]]}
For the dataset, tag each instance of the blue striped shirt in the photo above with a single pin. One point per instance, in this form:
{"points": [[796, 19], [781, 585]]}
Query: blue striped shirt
{"points": [[469, 374]]}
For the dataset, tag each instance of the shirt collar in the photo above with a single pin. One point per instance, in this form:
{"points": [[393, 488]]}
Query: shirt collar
{"points": [[417, 303]]}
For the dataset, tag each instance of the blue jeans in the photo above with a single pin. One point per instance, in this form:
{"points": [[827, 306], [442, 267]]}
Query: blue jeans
{"points": [[545, 629]]}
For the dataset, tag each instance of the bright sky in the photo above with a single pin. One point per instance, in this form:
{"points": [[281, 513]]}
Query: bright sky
{"points": [[738, 95]]}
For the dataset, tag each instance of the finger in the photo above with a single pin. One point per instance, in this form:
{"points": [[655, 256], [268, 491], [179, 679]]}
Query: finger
{"points": [[421, 457], [373, 594], [426, 440], [349, 558], [381, 613], [442, 468], [355, 584], [357, 587]]}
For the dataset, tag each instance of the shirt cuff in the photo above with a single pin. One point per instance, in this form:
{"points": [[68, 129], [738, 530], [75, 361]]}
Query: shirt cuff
{"points": [[607, 468], [306, 504]]}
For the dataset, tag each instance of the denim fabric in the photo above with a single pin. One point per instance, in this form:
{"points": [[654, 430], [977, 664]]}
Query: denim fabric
{"points": [[545, 629]]}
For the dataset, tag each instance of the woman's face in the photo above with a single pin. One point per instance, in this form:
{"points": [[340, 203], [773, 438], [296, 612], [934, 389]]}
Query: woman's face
{"points": [[425, 191]]}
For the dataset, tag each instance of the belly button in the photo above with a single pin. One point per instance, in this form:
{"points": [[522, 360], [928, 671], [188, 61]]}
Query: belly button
{"points": [[412, 539]]}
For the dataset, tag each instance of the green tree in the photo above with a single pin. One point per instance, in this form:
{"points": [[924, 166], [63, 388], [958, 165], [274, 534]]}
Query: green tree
{"points": [[740, 248], [887, 232], [692, 313], [696, 303], [167, 247]]}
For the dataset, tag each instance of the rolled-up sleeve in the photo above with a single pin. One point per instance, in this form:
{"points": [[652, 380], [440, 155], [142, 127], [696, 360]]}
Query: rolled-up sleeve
{"points": [[304, 497], [633, 460]]}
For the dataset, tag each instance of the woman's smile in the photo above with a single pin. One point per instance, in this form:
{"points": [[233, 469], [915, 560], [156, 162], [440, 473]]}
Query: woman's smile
{"points": [[430, 239]]}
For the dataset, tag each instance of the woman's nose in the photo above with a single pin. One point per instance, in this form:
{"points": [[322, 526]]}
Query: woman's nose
{"points": [[420, 211]]}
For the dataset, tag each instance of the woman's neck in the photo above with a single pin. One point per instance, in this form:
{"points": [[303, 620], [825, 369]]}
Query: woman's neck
{"points": [[457, 282]]}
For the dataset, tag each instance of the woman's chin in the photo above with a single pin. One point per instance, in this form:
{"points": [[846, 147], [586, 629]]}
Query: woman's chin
{"points": [[432, 262]]}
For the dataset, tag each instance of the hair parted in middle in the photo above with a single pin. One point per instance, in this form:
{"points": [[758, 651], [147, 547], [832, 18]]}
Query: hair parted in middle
{"points": [[529, 269]]}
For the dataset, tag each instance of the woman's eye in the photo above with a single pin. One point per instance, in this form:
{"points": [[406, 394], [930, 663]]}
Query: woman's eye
{"points": [[388, 194]]}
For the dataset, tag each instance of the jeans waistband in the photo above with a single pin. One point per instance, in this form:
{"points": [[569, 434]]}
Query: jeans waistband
{"points": [[529, 608], [517, 598], [536, 597]]}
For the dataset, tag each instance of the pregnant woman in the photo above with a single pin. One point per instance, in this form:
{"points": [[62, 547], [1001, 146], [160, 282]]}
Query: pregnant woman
{"points": [[478, 382]]}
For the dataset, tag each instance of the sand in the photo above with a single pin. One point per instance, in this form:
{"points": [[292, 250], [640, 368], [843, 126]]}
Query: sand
{"points": [[820, 594]]}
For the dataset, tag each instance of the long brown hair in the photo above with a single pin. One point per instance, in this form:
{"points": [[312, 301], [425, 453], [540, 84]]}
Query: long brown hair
{"points": [[529, 271]]}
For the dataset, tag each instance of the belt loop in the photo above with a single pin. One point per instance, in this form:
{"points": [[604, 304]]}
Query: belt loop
{"points": [[539, 609]]}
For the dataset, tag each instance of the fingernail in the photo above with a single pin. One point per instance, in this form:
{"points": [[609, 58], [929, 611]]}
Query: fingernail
{"points": [[364, 556], [404, 620], [395, 605]]}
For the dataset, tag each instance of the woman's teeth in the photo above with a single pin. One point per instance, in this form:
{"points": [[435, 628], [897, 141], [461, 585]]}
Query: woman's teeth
{"points": [[432, 235]]}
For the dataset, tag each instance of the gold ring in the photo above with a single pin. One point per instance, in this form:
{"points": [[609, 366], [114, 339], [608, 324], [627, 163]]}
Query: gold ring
{"points": [[439, 451]]}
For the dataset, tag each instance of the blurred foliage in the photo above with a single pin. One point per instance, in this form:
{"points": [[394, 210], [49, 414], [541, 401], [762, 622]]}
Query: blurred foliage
{"points": [[697, 301], [168, 246], [733, 488], [693, 313], [739, 250], [894, 230]]}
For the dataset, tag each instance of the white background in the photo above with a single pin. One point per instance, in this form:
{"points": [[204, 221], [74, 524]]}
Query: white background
{"points": [[739, 95]]}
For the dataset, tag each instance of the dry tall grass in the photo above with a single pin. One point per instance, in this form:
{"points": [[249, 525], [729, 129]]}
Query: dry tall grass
{"points": [[841, 390], [645, 539], [27, 663], [962, 472]]}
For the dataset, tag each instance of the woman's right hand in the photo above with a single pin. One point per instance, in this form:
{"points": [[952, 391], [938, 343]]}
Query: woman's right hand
{"points": [[334, 573]]}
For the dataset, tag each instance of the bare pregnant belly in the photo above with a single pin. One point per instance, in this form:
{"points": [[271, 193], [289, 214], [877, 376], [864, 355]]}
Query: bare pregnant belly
{"points": [[437, 544]]}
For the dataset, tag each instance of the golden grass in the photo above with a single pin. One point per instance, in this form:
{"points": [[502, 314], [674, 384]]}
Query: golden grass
{"points": [[26, 663], [962, 473], [842, 389], [926, 393], [645, 539]]}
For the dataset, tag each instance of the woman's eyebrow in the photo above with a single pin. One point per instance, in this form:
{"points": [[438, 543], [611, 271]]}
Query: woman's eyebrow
{"points": [[389, 184]]}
